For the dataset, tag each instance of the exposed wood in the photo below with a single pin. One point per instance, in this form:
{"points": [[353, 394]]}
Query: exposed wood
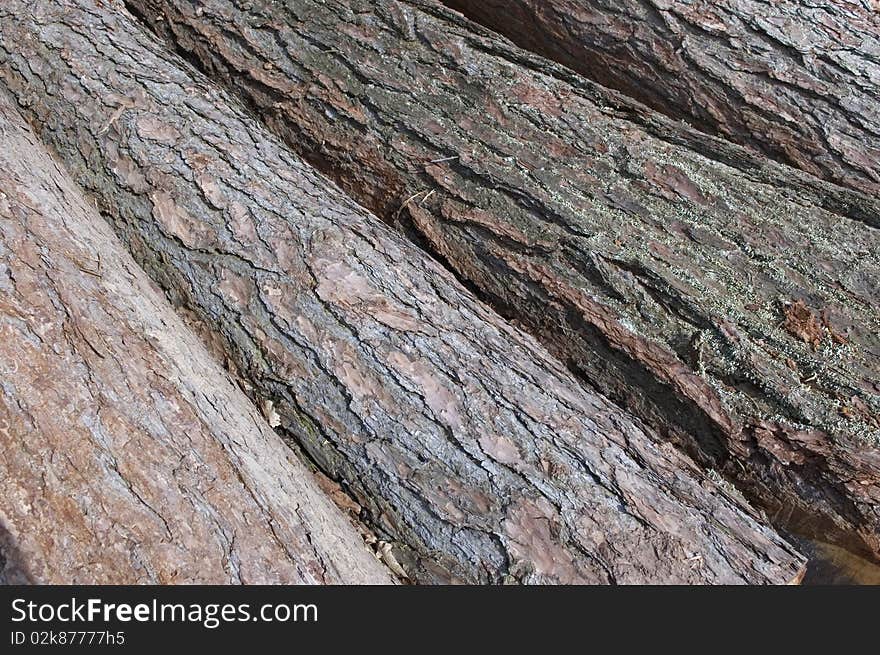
{"points": [[797, 80], [732, 305], [127, 455], [471, 449]]}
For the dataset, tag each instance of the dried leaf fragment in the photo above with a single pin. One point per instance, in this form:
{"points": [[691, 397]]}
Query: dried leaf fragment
{"points": [[801, 322]]}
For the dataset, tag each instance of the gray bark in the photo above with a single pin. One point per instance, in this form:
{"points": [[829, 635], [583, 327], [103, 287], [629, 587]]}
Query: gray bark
{"points": [[127, 455], [731, 302], [468, 445], [799, 81]]}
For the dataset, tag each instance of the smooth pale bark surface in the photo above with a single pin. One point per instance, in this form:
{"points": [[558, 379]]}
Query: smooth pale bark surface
{"points": [[734, 306], [797, 80], [128, 455], [472, 449]]}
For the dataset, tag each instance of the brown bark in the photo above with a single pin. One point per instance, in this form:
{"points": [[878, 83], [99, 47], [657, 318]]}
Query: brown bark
{"points": [[471, 448], [732, 302], [797, 80], [128, 455]]}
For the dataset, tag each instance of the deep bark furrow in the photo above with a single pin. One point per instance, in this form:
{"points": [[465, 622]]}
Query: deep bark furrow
{"points": [[287, 269], [668, 279], [799, 81], [128, 455]]}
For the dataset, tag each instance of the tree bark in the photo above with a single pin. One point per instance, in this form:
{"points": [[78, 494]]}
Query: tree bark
{"points": [[128, 455], [730, 302], [469, 446], [798, 81]]}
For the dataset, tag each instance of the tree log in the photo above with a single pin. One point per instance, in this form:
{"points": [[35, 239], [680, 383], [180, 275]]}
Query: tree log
{"points": [[798, 81], [730, 302], [129, 455], [469, 446]]}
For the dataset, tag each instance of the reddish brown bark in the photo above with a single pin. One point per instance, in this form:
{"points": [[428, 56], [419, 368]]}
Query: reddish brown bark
{"points": [[797, 80], [126, 454]]}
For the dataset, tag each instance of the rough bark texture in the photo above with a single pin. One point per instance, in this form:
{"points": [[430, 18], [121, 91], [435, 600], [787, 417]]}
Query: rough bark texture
{"points": [[797, 80], [128, 455], [472, 448], [732, 305]]}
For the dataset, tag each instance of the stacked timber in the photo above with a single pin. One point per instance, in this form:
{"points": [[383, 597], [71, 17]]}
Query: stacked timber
{"points": [[730, 301], [798, 81], [466, 444], [128, 454]]}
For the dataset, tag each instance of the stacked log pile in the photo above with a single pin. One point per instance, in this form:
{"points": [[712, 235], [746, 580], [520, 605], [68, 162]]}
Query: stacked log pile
{"points": [[733, 308], [800, 83], [129, 456], [538, 333]]}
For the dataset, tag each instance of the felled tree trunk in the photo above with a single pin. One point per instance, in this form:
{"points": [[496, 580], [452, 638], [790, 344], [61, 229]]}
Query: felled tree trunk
{"points": [[469, 446], [799, 81], [128, 455], [734, 305]]}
